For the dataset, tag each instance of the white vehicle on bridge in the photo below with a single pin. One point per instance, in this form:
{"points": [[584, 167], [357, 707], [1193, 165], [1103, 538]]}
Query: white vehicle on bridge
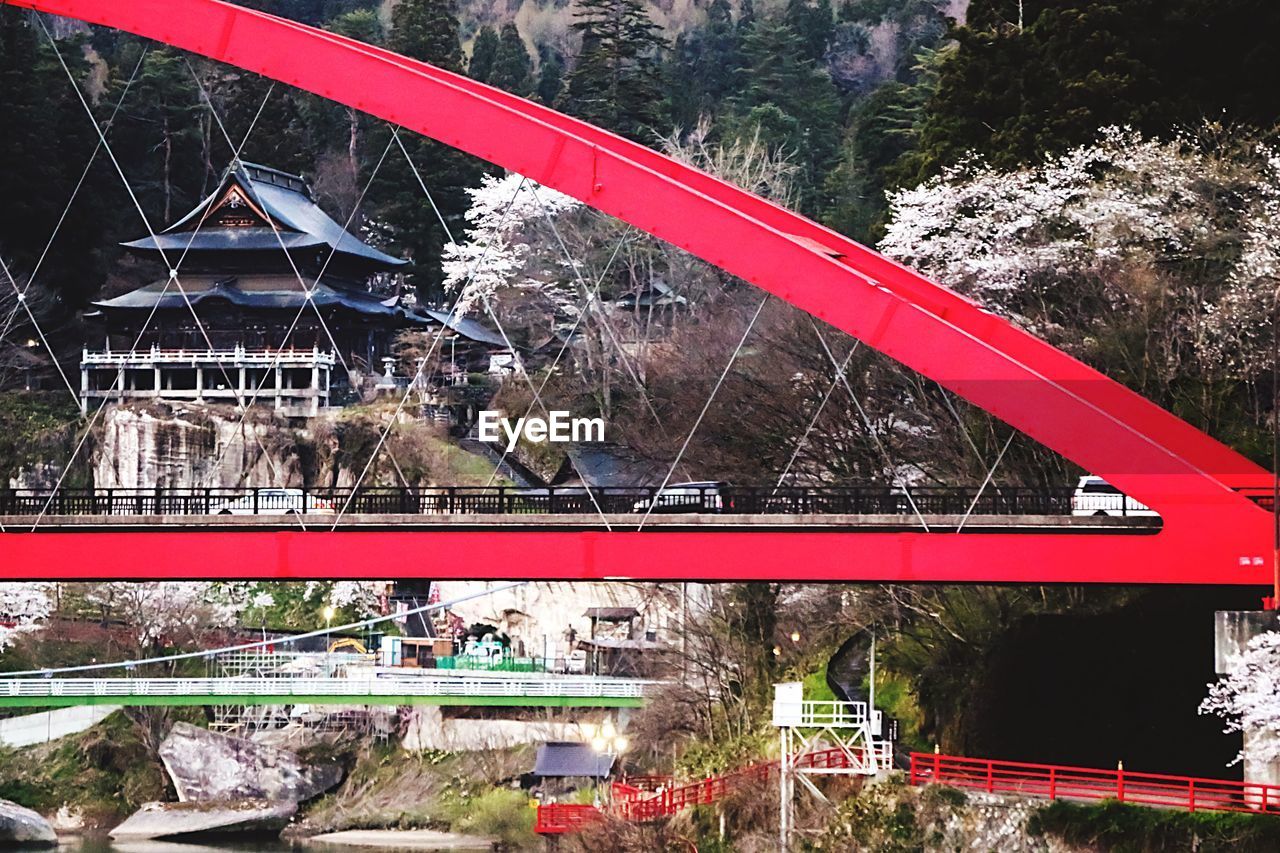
{"points": [[274, 502], [706, 496], [1095, 496]]}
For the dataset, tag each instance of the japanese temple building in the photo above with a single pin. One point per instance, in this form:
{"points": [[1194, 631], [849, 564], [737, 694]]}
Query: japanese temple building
{"points": [[251, 255]]}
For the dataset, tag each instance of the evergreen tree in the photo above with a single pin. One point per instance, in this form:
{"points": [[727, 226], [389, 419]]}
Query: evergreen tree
{"points": [[1038, 77], [789, 101], [616, 82], [813, 21], [405, 219], [427, 30], [704, 68], [483, 54], [362, 25], [882, 128], [550, 77], [512, 68], [45, 143]]}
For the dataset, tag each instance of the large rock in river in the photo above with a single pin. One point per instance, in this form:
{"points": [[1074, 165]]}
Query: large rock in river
{"points": [[22, 827], [210, 767], [180, 820]]}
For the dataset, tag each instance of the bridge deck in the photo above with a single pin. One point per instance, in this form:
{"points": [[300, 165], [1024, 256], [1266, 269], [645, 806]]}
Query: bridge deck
{"points": [[473, 690], [1065, 524]]}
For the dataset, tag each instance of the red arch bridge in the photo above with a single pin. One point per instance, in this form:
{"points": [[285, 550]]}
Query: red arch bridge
{"points": [[1211, 532]]}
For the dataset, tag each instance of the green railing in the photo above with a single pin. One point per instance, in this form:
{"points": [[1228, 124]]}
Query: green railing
{"points": [[505, 664]]}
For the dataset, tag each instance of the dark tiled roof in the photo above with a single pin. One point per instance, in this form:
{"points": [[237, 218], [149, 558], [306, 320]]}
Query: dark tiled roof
{"points": [[601, 465], [571, 759], [466, 327], [286, 199], [255, 292]]}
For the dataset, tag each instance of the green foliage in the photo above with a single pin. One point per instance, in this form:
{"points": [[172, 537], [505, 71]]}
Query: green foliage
{"points": [[882, 817], [501, 813], [1013, 93], [36, 426], [1113, 827], [789, 100], [483, 54], [427, 30], [512, 67], [816, 688], [883, 128], [705, 758], [550, 77], [896, 699], [45, 142], [106, 772], [616, 81], [704, 67], [362, 24]]}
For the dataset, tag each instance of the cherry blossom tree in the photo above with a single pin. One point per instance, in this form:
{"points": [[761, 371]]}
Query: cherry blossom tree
{"points": [[23, 608], [494, 254], [1153, 260], [1248, 697], [173, 612], [364, 598]]}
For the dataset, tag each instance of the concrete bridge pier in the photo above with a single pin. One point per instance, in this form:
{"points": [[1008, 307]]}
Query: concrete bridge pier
{"points": [[1233, 629]]}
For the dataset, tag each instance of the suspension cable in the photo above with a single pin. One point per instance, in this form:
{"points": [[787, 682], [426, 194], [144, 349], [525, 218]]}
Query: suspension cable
{"points": [[835, 382], [653, 502], [75, 193], [564, 346], [871, 431]]}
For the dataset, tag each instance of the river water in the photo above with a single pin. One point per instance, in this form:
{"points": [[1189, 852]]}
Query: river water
{"points": [[263, 846]]}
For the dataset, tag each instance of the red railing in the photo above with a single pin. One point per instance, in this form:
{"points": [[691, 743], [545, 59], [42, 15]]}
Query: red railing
{"points": [[1082, 783], [631, 802], [558, 818]]}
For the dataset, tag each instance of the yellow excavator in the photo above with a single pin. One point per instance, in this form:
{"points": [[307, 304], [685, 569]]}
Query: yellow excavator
{"points": [[348, 643]]}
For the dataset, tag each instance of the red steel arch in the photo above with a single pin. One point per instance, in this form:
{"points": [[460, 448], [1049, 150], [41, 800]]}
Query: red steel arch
{"points": [[1211, 533]]}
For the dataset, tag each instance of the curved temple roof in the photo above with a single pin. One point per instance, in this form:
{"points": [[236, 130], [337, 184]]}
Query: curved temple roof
{"points": [[255, 292], [285, 199]]}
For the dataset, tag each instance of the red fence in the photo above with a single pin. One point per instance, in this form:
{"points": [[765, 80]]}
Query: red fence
{"points": [[558, 818], [1083, 783], [632, 803]]}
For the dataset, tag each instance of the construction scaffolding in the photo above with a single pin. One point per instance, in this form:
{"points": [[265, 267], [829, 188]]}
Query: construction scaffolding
{"points": [[823, 739]]}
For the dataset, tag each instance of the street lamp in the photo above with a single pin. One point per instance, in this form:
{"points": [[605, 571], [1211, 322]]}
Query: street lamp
{"points": [[605, 741]]}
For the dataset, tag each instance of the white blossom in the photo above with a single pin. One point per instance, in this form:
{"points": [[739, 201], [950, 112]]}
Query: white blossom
{"points": [[493, 255], [23, 607], [364, 597], [1248, 696], [1059, 245], [169, 610]]}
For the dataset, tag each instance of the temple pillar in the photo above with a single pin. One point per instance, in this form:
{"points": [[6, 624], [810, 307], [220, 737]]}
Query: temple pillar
{"points": [[199, 384]]}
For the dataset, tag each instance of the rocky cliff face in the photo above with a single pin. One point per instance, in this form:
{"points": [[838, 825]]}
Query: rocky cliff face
{"points": [[192, 447]]}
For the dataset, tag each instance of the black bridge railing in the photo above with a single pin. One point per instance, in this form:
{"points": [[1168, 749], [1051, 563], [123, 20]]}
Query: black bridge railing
{"points": [[559, 500]]}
